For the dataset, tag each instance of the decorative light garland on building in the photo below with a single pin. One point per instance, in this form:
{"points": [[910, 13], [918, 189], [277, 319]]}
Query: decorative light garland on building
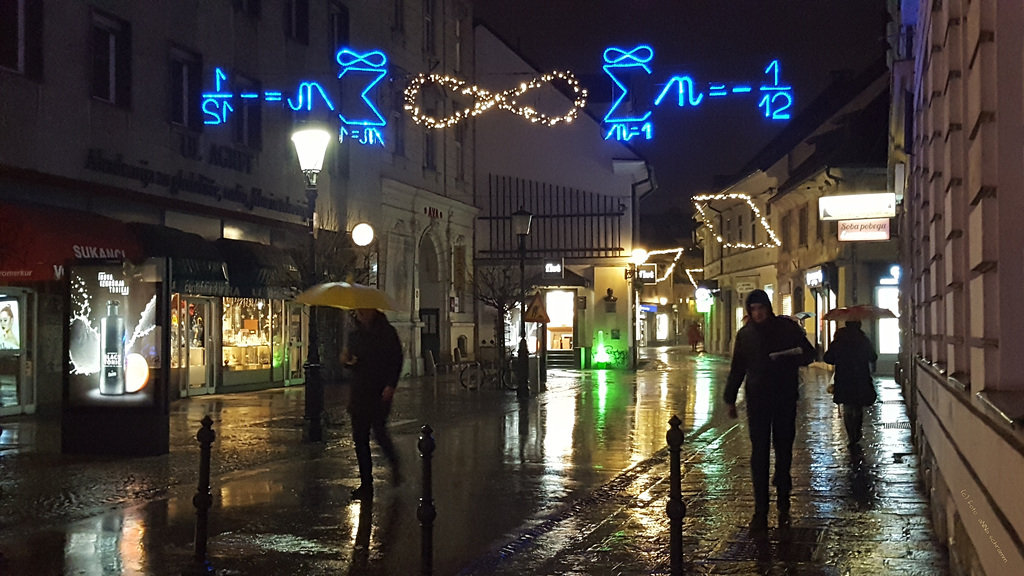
{"points": [[689, 274], [698, 200], [484, 100]]}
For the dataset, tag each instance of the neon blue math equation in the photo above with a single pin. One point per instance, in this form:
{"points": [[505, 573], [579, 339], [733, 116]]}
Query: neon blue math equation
{"points": [[627, 120], [363, 71]]}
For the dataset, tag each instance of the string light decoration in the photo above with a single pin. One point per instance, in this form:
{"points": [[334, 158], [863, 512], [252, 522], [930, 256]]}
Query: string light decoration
{"points": [[703, 198], [484, 100], [689, 274]]}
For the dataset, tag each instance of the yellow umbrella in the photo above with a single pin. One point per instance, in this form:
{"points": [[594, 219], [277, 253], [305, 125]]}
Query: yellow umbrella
{"points": [[347, 296]]}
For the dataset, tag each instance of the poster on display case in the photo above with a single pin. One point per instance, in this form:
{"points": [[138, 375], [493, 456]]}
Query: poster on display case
{"points": [[114, 340], [10, 325]]}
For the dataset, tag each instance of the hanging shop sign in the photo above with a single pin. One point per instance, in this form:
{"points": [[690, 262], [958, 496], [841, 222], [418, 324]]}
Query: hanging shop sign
{"points": [[627, 119], [359, 73], [114, 346], [553, 270], [647, 273], [705, 299], [872, 230], [814, 277], [857, 206]]}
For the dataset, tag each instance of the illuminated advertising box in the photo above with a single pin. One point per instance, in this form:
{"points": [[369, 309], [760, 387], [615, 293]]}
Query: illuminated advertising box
{"points": [[10, 325], [647, 273], [857, 206], [113, 355]]}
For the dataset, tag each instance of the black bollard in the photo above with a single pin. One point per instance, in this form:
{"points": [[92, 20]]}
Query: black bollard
{"points": [[676, 507], [426, 513], [203, 499]]}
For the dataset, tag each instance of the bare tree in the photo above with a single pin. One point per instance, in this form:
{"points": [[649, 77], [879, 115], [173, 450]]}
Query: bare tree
{"points": [[497, 287]]}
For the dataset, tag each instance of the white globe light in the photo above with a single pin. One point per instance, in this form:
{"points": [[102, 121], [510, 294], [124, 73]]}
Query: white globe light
{"points": [[362, 234], [639, 256]]}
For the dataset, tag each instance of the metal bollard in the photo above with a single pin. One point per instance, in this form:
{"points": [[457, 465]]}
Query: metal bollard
{"points": [[676, 508], [426, 513], [203, 498]]}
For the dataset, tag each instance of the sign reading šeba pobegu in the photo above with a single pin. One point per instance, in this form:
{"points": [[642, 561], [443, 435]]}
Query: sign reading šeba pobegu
{"points": [[875, 229]]}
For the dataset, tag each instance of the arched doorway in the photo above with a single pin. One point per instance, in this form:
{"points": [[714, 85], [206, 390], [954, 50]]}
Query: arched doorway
{"points": [[431, 300]]}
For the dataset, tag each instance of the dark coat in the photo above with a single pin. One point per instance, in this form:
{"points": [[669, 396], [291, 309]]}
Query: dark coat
{"points": [[852, 353], [768, 380], [379, 364]]}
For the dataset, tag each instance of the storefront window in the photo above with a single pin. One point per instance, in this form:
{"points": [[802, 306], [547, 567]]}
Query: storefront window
{"points": [[249, 327]]}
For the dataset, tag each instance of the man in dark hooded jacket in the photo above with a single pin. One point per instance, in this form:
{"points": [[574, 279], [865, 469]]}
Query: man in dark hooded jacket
{"points": [[374, 355], [854, 388], [768, 353]]}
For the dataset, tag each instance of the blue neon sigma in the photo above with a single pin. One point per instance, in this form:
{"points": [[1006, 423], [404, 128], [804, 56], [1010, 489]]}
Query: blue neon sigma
{"points": [[626, 119], [363, 126]]}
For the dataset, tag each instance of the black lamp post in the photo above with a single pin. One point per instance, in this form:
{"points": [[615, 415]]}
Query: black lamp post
{"points": [[310, 145], [521, 227]]}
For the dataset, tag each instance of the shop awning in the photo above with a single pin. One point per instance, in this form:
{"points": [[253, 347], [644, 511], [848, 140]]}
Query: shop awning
{"points": [[37, 242], [259, 271], [196, 264]]}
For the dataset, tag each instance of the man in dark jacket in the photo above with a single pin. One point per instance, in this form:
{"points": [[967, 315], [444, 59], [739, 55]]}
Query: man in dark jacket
{"points": [[852, 353], [374, 354], [768, 353]]}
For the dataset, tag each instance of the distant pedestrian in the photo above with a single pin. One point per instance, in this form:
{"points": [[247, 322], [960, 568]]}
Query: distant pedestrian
{"points": [[695, 336], [768, 353], [374, 354], [852, 353]]}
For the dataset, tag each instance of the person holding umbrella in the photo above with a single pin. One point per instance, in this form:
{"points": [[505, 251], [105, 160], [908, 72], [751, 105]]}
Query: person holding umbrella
{"points": [[852, 353], [374, 354]]}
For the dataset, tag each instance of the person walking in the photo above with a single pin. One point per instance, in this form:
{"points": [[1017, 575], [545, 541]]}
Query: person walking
{"points": [[852, 353], [695, 336], [374, 354], [768, 354]]}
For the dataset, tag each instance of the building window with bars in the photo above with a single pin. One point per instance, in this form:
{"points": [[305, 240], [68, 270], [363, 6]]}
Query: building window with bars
{"points": [[111, 60]]}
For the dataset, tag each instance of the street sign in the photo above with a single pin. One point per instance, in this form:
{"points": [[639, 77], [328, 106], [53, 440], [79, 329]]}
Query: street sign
{"points": [[536, 311]]}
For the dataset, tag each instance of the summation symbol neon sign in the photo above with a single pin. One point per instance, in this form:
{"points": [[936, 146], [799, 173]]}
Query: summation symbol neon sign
{"points": [[776, 97], [363, 126]]}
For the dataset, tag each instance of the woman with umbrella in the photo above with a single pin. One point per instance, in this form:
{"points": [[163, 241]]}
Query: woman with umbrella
{"points": [[853, 354]]}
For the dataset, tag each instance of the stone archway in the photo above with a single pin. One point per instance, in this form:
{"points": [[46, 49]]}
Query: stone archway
{"points": [[433, 296]]}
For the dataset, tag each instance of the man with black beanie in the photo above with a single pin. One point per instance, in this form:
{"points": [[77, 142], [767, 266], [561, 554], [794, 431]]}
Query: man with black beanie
{"points": [[768, 353]]}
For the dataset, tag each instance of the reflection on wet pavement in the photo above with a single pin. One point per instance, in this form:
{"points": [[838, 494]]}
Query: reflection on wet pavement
{"points": [[572, 482]]}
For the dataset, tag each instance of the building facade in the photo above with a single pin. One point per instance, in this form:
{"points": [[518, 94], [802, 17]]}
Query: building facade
{"points": [[956, 147], [134, 132]]}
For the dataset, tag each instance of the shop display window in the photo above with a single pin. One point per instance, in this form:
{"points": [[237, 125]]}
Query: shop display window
{"points": [[250, 325]]}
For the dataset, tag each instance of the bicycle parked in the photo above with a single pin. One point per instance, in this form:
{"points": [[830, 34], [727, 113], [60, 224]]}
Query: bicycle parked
{"points": [[473, 375]]}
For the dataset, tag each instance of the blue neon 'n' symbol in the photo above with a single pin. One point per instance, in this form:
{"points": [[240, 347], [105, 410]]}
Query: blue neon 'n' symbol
{"points": [[305, 96], [684, 86], [617, 59], [372, 65], [778, 99]]}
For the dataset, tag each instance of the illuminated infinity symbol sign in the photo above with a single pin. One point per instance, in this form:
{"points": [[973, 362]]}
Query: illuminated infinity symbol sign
{"points": [[484, 100], [637, 56], [347, 58]]}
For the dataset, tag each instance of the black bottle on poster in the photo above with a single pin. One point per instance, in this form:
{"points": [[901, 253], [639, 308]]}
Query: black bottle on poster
{"points": [[112, 349]]}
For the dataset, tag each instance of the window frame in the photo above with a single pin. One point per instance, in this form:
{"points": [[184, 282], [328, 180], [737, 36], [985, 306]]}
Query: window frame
{"points": [[118, 52], [248, 121], [190, 92], [296, 21]]}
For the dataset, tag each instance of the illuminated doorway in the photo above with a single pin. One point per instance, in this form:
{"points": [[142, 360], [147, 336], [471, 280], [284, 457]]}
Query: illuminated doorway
{"points": [[561, 308]]}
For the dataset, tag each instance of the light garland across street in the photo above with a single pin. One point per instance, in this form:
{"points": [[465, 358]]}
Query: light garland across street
{"points": [[484, 100]]}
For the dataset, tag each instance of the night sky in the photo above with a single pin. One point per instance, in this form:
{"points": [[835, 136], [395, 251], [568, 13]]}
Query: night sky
{"points": [[711, 40]]}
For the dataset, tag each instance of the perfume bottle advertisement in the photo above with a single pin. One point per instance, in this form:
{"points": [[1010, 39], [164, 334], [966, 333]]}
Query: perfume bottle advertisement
{"points": [[113, 346]]}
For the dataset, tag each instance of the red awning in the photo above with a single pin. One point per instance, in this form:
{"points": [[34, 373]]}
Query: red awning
{"points": [[37, 242]]}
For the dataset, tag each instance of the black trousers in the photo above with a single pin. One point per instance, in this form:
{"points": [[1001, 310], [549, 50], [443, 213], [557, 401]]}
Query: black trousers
{"points": [[853, 420], [362, 424], [771, 424]]}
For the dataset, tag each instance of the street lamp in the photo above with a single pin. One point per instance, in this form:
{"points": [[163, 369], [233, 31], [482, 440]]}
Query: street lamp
{"points": [[310, 145], [521, 227]]}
